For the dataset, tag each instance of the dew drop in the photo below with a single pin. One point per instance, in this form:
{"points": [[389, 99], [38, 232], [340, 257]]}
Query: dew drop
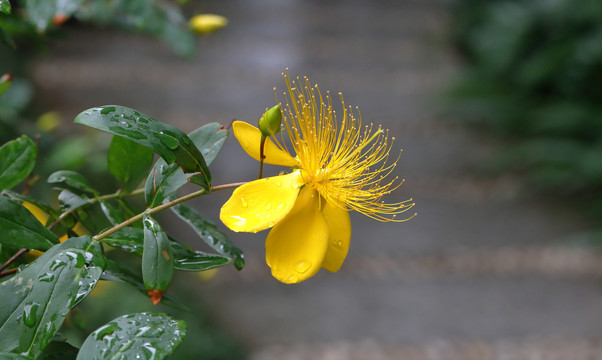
{"points": [[243, 202], [280, 207], [302, 266], [293, 279], [107, 110], [105, 330], [47, 277], [30, 316], [268, 206], [169, 141]]}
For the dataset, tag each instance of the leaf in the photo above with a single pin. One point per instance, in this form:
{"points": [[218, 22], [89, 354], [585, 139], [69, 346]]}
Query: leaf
{"points": [[17, 159], [129, 162], [167, 141], [8, 356], [70, 180], [22, 198], [114, 215], [134, 336], [114, 272], [19, 228], [5, 7], [132, 240], [42, 13], [59, 350], [157, 257], [166, 179], [37, 299], [70, 201], [209, 232]]}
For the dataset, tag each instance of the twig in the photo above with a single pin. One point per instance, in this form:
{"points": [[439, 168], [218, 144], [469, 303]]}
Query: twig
{"points": [[13, 258]]}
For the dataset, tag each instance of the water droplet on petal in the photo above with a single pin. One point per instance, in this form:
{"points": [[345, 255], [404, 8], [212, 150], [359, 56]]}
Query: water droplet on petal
{"points": [[293, 279], [280, 207], [268, 206], [302, 266], [243, 202]]}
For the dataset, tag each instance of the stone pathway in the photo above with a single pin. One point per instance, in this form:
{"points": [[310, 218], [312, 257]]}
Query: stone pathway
{"points": [[482, 273]]}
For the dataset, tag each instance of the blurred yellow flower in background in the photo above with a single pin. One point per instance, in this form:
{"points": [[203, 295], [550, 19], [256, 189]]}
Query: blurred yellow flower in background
{"points": [[337, 167], [207, 23]]}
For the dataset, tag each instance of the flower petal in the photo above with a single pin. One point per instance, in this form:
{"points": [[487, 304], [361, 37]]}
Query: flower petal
{"points": [[296, 246], [260, 204], [339, 225], [249, 138]]}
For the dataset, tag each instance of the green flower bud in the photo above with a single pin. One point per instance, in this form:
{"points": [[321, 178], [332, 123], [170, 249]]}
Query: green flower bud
{"points": [[269, 123]]}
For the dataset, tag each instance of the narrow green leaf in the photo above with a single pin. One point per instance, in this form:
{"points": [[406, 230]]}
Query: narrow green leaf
{"points": [[115, 272], [209, 232], [19, 228], [132, 240], [134, 336], [5, 7], [37, 299], [165, 179], [70, 180], [157, 258], [17, 159], [167, 141], [129, 162]]}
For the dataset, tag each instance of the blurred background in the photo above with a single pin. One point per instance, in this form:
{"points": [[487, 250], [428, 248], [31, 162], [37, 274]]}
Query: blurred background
{"points": [[496, 106]]}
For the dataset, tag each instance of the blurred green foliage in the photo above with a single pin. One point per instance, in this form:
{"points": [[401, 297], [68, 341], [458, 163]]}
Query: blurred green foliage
{"points": [[533, 71]]}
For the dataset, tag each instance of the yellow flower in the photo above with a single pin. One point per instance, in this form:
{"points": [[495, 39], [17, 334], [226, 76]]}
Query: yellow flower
{"points": [[42, 217], [207, 23], [337, 167]]}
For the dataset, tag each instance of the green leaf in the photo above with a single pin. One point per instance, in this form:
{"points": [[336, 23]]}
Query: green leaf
{"points": [[134, 336], [5, 7], [132, 240], [70, 201], [19, 228], [22, 198], [129, 162], [36, 300], [157, 258], [8, 356], [115, 272], [41, 13], [59, 350], [17, 159], [209, 232], [70, 180], [167, 141], [114, 215], [166, 179]]}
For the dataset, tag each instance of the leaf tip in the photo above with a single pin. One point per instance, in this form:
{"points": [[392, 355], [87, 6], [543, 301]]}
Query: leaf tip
{"points": [[155, 296]]}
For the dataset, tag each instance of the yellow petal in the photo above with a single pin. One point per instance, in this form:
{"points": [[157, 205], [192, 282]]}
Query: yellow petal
{"points": [[339, 225], [296, 246], [37, 212], [260, 204], [249, 138]]}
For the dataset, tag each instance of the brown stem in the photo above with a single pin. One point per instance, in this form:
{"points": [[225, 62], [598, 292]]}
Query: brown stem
{"points": [[163, 207], [13, 258], [8, 272]]}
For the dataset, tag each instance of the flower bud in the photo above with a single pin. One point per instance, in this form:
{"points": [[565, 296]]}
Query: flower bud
{"points": [[269, 123], [207, 23]]}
